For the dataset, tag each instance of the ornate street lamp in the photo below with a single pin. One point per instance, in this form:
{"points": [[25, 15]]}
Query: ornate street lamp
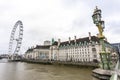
{"points": [[96, 16], [105, 64], [99, 23]]}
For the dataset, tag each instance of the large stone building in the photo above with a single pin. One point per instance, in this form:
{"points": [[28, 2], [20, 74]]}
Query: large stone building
{"points": [[85, 49], [117, 46]]}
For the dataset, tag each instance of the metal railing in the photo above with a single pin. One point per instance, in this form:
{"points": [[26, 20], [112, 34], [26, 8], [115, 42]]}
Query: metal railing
{"points": [[116, 74]]}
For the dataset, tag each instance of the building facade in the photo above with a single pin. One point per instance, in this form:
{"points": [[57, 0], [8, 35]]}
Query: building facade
{"points": [[82, 50], [85, 49], [41, 52]]}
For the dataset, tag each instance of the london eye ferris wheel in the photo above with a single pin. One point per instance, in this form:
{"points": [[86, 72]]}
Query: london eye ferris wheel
{"points": [[16, 38]]}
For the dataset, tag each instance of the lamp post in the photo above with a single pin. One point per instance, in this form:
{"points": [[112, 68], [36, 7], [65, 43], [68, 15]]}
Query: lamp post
{"points": [[105, 63]]}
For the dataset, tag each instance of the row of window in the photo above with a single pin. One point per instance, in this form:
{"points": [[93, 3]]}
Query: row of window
{"points": [[74, 51], [79, 45], [62, 52], [76, 48], [78, 56]]}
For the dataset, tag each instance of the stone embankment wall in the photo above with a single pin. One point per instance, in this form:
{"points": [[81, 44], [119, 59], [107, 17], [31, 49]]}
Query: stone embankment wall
{"points": [[85, 64]]}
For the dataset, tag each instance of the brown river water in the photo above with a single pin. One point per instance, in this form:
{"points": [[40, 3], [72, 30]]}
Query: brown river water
{"points": [[27, 71]]}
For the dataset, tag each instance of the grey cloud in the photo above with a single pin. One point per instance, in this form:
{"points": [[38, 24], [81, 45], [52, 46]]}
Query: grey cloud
{"points": [[56, 18]]}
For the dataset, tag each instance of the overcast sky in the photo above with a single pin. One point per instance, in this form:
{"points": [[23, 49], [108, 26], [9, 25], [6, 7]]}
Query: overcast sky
{"points": [[47, 19]]}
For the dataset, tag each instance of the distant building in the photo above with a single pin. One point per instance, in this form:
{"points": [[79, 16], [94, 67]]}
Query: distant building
{"points": [[116, 49], [47, 42], [117, 46]]}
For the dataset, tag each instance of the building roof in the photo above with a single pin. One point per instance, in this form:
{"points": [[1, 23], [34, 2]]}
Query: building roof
{"points": [[42, 47], [115, 43], [81, 40], [84, 40], [30, 50], [38, 47]]}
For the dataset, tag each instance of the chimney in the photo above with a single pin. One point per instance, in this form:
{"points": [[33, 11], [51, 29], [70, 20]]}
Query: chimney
{"points": [[89, 36], [75, 38], [69, 40], [59, 42]]}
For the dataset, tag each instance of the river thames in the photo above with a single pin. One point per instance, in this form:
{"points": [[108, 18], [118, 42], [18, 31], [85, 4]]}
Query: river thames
{"points": [[27, 71]]}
